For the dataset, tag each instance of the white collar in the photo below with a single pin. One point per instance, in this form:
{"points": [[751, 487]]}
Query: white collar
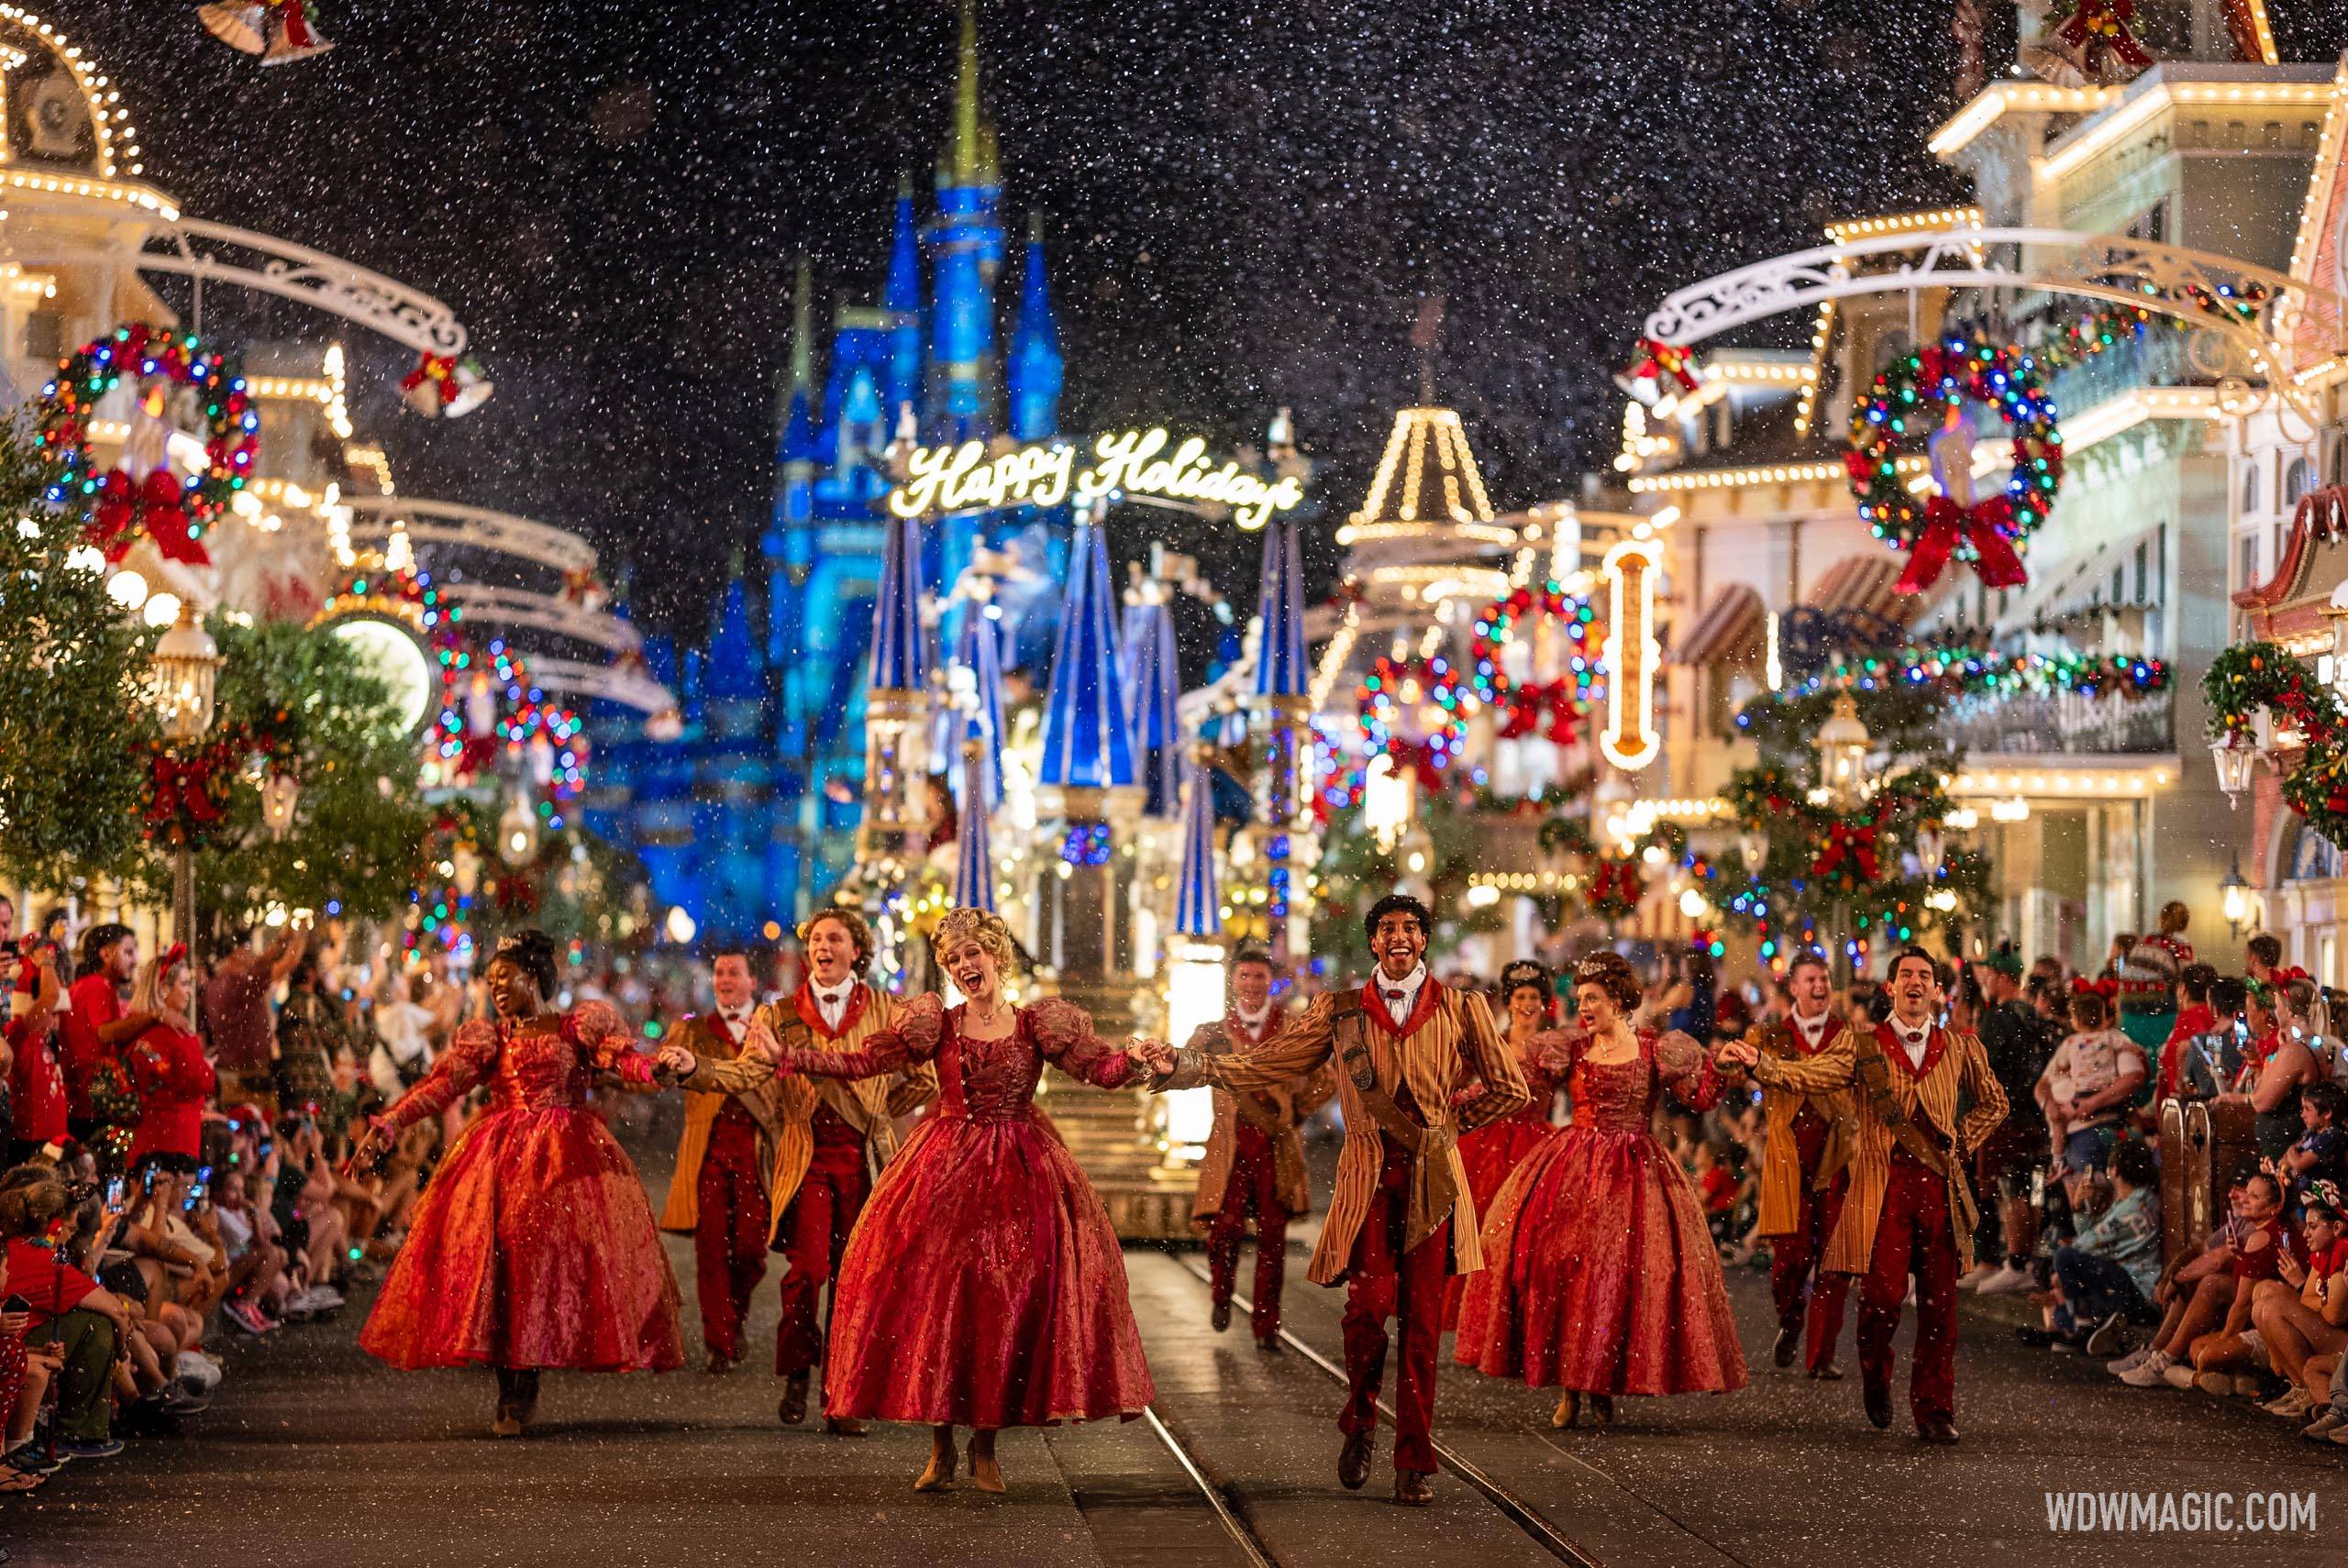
{"points": [[1252, 1019], [1813, 1028], [832, 993], [1407, 986]]}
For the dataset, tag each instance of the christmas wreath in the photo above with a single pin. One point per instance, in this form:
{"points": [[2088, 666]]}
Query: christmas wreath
{"points": [[1915, 395], [1616, 889], [2250, 678], [116, 508], [1395, 688], [1550, 709]]}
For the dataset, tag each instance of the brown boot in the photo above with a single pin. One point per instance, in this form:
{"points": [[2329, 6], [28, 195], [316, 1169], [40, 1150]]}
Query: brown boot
{"points": [[794, 1399], [1353, 1460], [844, 1426], [1410, 1489]]}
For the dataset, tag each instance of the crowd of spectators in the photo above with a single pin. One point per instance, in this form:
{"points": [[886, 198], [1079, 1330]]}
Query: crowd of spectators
{"points": [[174, 1165]]}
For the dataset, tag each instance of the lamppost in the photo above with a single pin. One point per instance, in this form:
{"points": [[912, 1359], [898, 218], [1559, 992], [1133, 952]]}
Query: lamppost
{"points": [[186, 664], [1842, 742], [2233, 897]]}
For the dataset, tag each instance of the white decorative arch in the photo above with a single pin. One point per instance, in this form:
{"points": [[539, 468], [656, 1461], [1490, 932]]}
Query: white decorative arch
{"points": [[452, 523], [193, 248], [627, 685], [483, 602], [2166, 279]]}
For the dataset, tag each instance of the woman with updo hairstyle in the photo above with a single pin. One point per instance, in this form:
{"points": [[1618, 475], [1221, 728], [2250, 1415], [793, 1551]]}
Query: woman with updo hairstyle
{"points": [[1528, 1010], [534, 1245], [984, 1287], [1601, 1277]]}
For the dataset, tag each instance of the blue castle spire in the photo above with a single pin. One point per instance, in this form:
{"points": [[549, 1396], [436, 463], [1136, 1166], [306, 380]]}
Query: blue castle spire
{"points": [[899, 658], [735, 672], [1198, 903], [1035, 372], [966, 246], [1153, 683], [974, 856], [1280, 668], [1088, 740], [978, 651], [900, 297]]}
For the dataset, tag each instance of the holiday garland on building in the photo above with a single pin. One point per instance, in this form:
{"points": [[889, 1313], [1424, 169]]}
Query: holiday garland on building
{"points": [[2308, 724], [1970, 670], [1553, 710]]}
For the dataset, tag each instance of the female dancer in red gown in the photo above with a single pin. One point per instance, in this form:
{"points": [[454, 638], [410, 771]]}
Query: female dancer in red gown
{"points": [[1494, 1150], [983, 1285], [534, 1245], [1599, 1273]]}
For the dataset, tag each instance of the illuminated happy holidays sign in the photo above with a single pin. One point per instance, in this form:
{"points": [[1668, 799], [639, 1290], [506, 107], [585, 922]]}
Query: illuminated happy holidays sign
{"points": [[964, 478]]}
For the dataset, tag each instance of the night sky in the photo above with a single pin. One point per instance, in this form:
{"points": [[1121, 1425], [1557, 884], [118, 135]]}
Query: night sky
{"points": [[1244, 204]]}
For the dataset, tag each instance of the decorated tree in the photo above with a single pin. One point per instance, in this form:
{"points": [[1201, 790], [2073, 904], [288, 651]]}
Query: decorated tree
{"points": [[319, 805], [76, 724], [1358, 868], [1840, 854]]}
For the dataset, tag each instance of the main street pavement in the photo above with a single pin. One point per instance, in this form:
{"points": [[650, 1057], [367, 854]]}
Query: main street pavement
{"points": [[312, 1454]]}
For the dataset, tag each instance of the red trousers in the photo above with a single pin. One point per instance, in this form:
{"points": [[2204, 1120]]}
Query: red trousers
{"points": [[730, 1234], [1915, 1236], [1253, 1192], [812, 1235], [1793, 1258], [1383, 1281]]}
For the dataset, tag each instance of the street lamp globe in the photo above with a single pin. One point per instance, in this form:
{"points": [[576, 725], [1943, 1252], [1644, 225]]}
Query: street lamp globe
{"points": [[1843, 742], [186, 662], [517, 831], [1752, 849]]}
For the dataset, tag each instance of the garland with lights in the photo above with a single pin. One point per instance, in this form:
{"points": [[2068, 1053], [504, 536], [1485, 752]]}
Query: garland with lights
{"points": [[1380, 703], [1554, 710], [1910, 398], [115, 507], [490, 708], [1964, 671], [2256, 677]]}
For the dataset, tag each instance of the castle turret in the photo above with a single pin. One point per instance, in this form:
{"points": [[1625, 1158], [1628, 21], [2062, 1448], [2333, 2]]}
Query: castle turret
{"points": [[895, 724], [1035, 372], [1153, 685], [900, 297], [966, 244]]}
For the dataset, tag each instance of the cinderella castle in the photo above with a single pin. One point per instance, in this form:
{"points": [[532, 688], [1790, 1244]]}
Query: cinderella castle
{"points": [[743, 807]]}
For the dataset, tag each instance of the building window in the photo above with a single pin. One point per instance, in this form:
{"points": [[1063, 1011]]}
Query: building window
{"points": [[2337, 470], [2246, 562], [2297, 479], [2250, 487], [45, 335]]}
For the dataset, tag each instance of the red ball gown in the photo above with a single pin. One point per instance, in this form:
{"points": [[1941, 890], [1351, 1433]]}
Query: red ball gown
{"points": [[983, 1285], [1599, 1272], [1494, 1150], [534, 1245]]}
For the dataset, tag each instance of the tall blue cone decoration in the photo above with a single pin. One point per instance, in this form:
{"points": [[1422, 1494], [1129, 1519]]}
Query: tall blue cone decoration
{"points": [[1198, 905], [900, 650], [977, 713], [1281, 666], [1153, 684], [1088, 739], [974, 860]]}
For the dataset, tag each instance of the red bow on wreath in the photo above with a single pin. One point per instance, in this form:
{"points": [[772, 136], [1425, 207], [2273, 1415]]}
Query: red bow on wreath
{"points": [[2099, 27], [125, 505], [1847, 844], [1421, 757], [1615, 885], [1948, 526], [1660, 361], [1548, 709], [184, 787]]}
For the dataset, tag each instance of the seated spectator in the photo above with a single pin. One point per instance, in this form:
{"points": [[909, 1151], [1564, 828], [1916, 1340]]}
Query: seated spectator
{"points": [[89, 1324], [2105, 1279], [2222, 1359], [2195, 1293], [2319, 1153], [2302, 1312]]}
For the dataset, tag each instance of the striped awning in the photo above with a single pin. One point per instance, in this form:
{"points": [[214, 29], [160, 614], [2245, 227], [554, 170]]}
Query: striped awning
{"points": [[1730, 631], [1868, 585]]}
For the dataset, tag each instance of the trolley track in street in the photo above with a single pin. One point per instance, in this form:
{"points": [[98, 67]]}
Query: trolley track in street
{"points": [[1516, 1509]]}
